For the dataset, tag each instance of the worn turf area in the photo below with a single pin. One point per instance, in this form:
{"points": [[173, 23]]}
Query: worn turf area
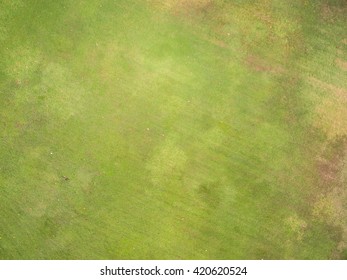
{"points": [[147, 129]]}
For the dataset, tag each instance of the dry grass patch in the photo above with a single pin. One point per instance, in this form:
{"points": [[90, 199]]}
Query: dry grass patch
{"points": [[341, 63], [331, 112], [182, 6], [332, 118], [297, 226], [337, 91]]}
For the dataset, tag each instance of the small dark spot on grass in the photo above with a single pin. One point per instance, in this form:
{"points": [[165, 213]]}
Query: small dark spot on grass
{"points": [[65, 178]]}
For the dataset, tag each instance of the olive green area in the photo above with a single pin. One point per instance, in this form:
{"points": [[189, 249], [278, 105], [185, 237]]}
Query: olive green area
{"points": [[134, 129]]}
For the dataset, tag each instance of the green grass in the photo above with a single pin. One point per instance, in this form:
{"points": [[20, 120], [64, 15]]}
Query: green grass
{"points": [[185, 133]]}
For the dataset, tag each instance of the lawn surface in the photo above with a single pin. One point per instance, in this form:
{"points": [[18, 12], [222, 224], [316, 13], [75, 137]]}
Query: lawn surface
{"points": [[147, 129]]}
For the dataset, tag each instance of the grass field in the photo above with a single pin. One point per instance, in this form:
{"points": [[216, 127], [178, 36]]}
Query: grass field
{"points": [[176, 129]]}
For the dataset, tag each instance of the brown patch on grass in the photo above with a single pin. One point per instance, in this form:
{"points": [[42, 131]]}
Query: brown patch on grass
{"points": [[261, 65], [326, 12], [329, 169], [341, 63], [330, 165], [330, 13], [339, 196], [330, 205]]}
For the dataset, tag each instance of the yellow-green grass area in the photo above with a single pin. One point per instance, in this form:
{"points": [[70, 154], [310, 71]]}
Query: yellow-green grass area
{"points": [[179, 129]]}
